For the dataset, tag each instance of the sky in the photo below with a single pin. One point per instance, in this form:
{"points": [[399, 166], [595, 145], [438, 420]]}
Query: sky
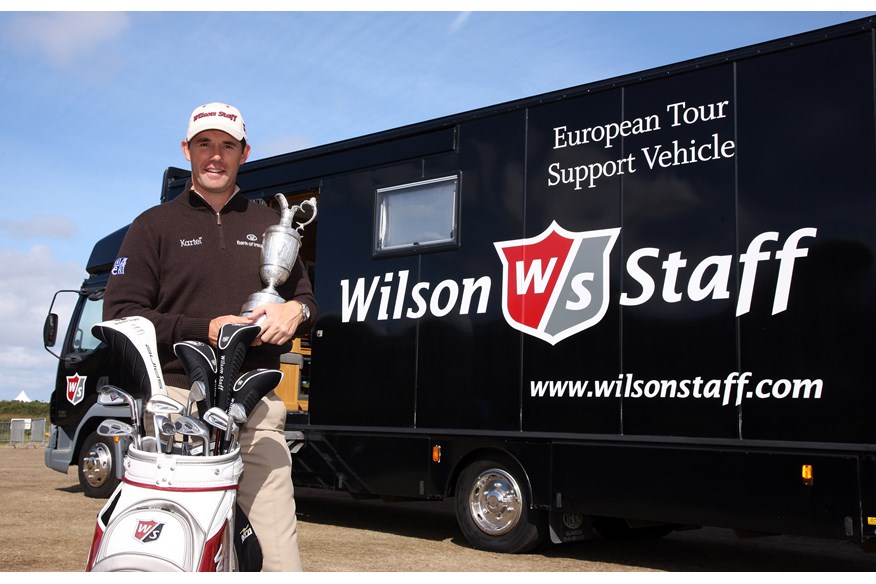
{"points": [[93, 106]]}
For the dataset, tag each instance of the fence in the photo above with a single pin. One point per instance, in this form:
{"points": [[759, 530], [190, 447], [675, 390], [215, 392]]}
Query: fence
{"points": [[23, 431]]}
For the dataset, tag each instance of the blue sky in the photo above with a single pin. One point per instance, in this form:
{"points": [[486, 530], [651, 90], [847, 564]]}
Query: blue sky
{"points": [[94, 106]]}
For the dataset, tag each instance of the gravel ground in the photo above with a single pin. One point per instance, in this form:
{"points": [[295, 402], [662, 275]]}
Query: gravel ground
{"points": [[48, 527]]}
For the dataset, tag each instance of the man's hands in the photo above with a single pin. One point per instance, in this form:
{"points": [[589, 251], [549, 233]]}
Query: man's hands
{"points": [[280, 322], [216, 325]]}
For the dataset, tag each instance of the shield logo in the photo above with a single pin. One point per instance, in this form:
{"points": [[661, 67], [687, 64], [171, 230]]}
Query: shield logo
{"points": [[556, 284], [148, 530], [75, 388]]}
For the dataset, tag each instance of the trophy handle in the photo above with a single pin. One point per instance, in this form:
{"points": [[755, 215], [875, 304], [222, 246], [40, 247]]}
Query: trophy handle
{"points": [[288, 213], [311, 202]]}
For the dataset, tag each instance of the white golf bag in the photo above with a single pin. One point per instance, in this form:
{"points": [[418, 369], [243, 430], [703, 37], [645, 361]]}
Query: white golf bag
{"points": [[176, 507], [171, 513]]}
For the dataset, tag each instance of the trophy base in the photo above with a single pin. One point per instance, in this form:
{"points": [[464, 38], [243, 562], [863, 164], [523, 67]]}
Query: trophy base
{"points": [[257, 299]]}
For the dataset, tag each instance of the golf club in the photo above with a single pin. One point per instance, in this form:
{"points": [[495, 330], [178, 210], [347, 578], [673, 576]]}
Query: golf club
{"points": [[222, 422], [238, 419], [162, 404], [188, 426], [164, 427], [116, 429], [110, 395], [197, 395]]}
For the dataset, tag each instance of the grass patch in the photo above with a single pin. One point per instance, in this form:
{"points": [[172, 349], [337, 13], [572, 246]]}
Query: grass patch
{"points": [[16, 409]]}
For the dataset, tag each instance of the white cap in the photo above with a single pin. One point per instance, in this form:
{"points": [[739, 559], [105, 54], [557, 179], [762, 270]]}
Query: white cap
{"points": [[216, 116]]}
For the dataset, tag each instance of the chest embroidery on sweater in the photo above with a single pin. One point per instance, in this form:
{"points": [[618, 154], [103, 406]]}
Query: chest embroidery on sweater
{"points": [[191, 242], [252, 241]]}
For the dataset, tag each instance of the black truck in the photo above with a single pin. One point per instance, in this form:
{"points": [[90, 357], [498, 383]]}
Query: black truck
{"points": [[631, 306]]}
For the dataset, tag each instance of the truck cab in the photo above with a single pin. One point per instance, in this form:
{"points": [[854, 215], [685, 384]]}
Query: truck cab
{"points": [[85, 364]]}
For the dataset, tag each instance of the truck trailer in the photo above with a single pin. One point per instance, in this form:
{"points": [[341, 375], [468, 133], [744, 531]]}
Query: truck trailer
{"points": [[627, 307]]}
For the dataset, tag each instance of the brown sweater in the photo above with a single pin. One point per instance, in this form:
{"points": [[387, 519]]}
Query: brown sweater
{"points": [[182, 264]]}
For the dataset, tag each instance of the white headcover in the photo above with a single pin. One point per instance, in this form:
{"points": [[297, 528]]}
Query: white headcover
{"points": [[140, 334]]}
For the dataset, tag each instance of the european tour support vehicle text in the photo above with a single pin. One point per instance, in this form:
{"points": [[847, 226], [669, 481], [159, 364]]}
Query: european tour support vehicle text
{"points": [[627, 306]]}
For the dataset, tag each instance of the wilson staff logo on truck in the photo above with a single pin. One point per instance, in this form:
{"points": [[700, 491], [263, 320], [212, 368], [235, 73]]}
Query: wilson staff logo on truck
{"points": [[556, 284]]}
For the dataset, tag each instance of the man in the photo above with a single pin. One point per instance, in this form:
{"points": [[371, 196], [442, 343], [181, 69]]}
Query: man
{"points": [[188, 266]]}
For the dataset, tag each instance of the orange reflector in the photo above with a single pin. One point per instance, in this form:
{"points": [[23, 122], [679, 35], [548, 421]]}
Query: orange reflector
{"points": [[806, 474], [436, 454]]}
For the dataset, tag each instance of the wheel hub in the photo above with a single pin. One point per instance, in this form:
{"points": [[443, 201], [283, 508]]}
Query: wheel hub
{"points": [[96, 464], [495, 502]]}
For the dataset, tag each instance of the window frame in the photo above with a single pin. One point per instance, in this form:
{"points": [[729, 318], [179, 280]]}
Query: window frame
{"points": [[412, 248]]}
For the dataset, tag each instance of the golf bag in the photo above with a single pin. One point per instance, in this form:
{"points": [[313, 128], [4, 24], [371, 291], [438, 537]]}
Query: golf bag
{"points": [[176, 507], [171, 513]]}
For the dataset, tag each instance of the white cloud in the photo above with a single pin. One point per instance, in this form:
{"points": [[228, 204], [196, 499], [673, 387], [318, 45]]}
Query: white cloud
{"points": [[65, 37], [27, 284], [54, 226]]}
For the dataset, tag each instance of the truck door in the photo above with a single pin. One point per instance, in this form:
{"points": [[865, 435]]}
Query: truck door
{"points": [[82, 361]]}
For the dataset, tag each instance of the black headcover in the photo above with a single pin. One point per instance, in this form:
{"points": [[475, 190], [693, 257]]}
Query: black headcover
{"points": [[234, 342], [252, 386], [199, 362]]}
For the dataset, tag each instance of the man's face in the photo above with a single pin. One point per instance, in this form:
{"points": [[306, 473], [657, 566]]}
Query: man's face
{"points": [[215, 158]]}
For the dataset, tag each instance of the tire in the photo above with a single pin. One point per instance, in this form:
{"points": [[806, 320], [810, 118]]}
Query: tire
{"points": [[97, 472], [493, 512]]}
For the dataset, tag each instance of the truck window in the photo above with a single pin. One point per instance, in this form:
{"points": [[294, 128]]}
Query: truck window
{"points": [[91, 313], [417, 215]]}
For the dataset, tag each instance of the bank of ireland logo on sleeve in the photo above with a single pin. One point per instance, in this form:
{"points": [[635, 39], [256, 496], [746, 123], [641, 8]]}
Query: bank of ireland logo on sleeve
{"points": [[556, 284]]}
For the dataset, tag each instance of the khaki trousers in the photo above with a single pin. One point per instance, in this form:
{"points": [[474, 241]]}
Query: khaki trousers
{"points": [[266, 493]]}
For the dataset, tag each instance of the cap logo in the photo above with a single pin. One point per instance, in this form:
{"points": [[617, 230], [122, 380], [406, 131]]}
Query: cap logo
{"points": [[231, 117]]}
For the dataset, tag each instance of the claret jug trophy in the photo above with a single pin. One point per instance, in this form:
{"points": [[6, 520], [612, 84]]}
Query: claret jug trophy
{"points": [[280, 246]]}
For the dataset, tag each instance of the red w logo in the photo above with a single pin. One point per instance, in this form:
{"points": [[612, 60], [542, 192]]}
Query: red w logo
{"points": [[148, 530], [556, 284], [75, 388]]}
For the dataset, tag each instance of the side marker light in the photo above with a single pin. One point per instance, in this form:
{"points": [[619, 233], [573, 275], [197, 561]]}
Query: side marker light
{"points": [[806, 475]]}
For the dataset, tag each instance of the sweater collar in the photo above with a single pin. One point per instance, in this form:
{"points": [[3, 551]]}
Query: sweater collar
{"points": [[236, 203]]}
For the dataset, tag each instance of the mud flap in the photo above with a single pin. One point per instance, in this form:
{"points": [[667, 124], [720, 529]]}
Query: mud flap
{"points": [[569, 527]]}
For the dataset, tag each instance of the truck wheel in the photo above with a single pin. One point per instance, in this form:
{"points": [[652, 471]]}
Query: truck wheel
{"points": [[97, 473], [493, 512]]}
